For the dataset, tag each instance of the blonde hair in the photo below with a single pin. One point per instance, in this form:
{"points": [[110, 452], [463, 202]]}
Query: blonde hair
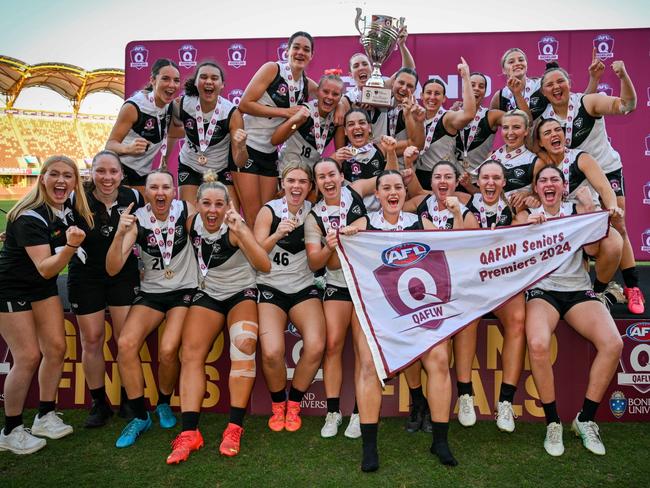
{"points": [[210, 182], [518, 113], [301, 165], [509, 52], [37, 196]]}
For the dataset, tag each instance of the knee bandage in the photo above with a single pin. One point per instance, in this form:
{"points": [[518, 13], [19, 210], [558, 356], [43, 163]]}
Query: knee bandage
{"points": [[243, 344]]}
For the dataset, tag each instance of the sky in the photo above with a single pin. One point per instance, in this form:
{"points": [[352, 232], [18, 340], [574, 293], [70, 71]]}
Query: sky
{"points": [[93, 34]]}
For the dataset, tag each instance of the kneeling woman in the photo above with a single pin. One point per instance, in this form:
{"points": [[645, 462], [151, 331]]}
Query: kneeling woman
{"points": [[566, 293], [288, 291], [227, 254], [391, 193], [166, 291]]}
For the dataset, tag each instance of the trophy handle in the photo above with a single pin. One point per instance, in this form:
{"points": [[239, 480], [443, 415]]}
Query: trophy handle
{"points": [[356, 21]]}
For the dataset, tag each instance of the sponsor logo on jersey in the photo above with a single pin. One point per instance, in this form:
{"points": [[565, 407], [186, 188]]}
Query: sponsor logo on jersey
{"points": [[618, 404], [187, 56], [416, 282], [605, 89], [138, 56], [236, 55], [267, 294], [635, 359], [283, 52], [235, 95], [604, 44], [182, 176], [577, 123], [197, 297], [646, 193], [548, 47]]}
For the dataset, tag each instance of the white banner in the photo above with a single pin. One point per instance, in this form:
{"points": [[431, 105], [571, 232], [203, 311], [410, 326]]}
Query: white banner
{"points": [[413, 289]]}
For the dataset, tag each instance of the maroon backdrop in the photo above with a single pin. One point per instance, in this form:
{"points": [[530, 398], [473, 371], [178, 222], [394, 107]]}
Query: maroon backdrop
{"points": [[437, 55], [627, 398]]}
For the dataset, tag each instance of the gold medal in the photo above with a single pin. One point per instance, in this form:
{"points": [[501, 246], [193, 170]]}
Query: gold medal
{"points": [[354, 151], [202, 159], [169, 274]]}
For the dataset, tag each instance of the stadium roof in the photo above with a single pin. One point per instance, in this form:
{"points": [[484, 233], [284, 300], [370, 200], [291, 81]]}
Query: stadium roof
{"points": [[69, 81]]}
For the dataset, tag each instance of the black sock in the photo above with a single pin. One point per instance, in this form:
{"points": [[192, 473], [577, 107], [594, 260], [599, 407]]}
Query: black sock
{"points": [[11, 422], [464, 388], [417, 397], [440, 446], [599, 286], [333, 405], [137, 405], [588, 412], [295, 395], [189, 421], [164, 398], [237, 415], [356, 407], [630, 277], [550, 411], [370, 460], [507, 393], [279, 396], [44, 408], [98, 394]]}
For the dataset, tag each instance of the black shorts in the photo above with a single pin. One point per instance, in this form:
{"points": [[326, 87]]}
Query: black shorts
{"points": [[286, 301], [163, 302], [616, 181], [11, 306], [90, 296], [259, 163], [132, 178], [202, 299], [562, 301], [13, 303], [188, 176], [333, 292]]}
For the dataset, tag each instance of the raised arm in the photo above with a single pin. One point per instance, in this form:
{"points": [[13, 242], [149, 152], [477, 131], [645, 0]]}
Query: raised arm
{"points": [[245, 240], [455, 120], [597, 104], [289, 126], [125, 236], [238, 139], [249, 103]]}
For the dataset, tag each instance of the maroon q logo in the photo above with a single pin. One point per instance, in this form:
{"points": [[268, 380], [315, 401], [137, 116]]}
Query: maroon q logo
{"points": [[548, 47], [283, 52], [236, 56], [235, 95], [139, 55], [604, 44], [415, 281], [187, 56]]}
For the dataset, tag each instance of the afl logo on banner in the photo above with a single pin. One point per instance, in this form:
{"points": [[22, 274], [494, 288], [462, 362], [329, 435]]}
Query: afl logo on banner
{"points": [[548, 47], [416, 282], [139, 55], [235, 95], [635, 359], [605, 89], [283, 52], [604, 44], [187, 56], [236, 56]]}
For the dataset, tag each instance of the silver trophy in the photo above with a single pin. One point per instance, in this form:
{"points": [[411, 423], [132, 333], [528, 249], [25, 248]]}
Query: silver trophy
{"points": [[378, 37]]}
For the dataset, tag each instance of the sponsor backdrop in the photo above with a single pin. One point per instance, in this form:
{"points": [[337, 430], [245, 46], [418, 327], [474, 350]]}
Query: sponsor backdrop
{"points": [[627, 399], [437, 55]]}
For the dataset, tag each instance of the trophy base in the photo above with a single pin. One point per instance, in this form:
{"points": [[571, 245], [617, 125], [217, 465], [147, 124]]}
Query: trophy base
{"points": [[376, 96]]}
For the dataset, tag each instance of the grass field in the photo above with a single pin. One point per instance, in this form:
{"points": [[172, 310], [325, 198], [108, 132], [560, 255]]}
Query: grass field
{"points": [[4, 205], [487, 458]]}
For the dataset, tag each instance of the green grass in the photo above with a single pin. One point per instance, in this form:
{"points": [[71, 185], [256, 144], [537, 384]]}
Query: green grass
{"points": [[5, 205], [487, 458]]}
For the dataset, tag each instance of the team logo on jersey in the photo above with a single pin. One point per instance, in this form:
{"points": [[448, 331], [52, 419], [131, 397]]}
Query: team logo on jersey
{"points": [[282, 89], [647, 145], [618, 404], [149, 125], [283, 52], [178, 231], [645, 240], [548, 47], [189, 124], [236, 55], [187, 56], [577, 123], [139, 55], [605, 89], [250, 293], [604, 44], [646, 193], [416, 282], [519, 172], [356, 210], [235, 95], [635, 359], [151, 241], [615, 184], [187, 299], [355, 168]]}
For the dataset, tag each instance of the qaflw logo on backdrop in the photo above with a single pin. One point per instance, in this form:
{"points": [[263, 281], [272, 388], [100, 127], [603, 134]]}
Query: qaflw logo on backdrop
{"points": [[283, 52], [187, 56], [635, 359], [416, 282], [604, 44], [139, 55], [237, 55], [548, 47], [235, 95]]}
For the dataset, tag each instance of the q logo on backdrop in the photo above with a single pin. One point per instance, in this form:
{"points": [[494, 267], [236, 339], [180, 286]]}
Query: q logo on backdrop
{"points": [[235, 95], [414, 277], [635, 359], [139, 55], [187, 55], [604, 44], [237, 56], [283, 52], [548, 47]]}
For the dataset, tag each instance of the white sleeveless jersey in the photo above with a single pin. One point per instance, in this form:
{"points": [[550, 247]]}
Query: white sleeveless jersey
{"points": [[479, 148], [301, 146], [219, 145], [182, 264], [508, 101], [577, 179], [151, 125], [442, 146], [410, 221], [260, 129], [228, 270], [571, 276], [589, 134], [290, 272]]}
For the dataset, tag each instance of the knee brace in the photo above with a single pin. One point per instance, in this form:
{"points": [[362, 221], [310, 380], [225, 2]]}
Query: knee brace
{"points": [[243, 344]]}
